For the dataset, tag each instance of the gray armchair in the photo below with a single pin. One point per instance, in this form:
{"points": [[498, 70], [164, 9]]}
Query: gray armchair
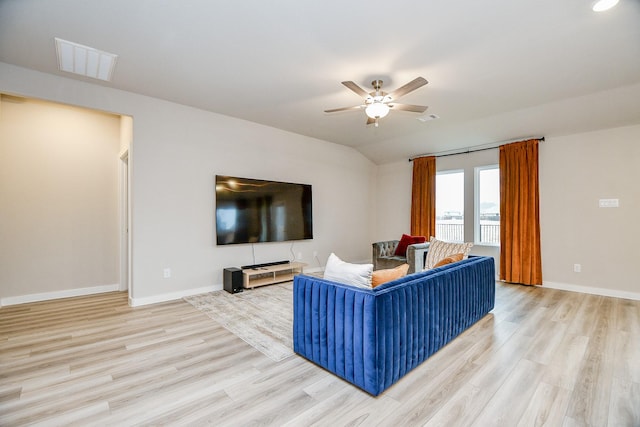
{"points": [[384, 255]]}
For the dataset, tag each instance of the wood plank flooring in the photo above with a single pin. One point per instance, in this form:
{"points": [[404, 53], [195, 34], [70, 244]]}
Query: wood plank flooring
{"points": [[542, 357]]}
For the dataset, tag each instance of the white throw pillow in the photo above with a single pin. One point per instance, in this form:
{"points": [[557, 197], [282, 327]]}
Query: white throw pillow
{"points": [[439, 250], [349, 274]]}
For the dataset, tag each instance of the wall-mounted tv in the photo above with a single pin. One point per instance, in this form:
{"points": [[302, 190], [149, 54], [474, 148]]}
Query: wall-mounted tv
{"points": [[256, 211]]}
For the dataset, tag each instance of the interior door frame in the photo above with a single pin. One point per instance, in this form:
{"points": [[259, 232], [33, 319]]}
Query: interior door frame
{"points": [[125, 224]]}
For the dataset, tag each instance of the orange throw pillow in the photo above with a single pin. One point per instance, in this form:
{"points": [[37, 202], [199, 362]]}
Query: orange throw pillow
{"points": [[449, 260], [383, 276]]}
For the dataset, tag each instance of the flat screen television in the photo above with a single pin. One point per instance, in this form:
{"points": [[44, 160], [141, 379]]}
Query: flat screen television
{"points": [[256, 211]]}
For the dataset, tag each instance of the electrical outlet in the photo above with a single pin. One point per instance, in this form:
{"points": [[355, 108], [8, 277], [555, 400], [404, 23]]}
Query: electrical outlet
{"points": [[577, 268], [167, 273], [299, 255]]}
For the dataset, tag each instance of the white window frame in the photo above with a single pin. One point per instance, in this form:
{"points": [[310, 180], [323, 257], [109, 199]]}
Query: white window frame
{"points": [[447, 172], [476, 204]]}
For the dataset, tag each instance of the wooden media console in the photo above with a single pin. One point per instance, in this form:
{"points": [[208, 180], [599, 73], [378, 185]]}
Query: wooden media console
{"points": [[261, 276]]}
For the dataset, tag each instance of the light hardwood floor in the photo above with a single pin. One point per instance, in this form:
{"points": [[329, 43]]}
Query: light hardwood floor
{"points": [[542, 357]]}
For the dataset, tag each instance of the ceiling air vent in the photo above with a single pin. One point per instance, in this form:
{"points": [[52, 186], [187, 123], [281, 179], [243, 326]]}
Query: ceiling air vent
{"points": [[428, 117], [85, 61]]}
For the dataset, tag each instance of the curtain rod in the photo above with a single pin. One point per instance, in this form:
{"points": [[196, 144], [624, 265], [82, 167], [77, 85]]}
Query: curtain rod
{"points": [[473, 149]]}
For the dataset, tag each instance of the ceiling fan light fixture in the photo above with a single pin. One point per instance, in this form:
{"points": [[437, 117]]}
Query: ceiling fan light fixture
{"points": [[602, 5], [378, 103], [377, 110]]}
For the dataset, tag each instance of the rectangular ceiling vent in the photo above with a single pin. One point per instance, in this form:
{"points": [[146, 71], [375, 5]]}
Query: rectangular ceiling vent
{"points": [[85, 61], [428, 117]]}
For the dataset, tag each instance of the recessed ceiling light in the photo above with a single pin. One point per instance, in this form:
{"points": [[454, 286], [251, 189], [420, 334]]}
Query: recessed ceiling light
{"points": [[602, 5], [84, 60]]}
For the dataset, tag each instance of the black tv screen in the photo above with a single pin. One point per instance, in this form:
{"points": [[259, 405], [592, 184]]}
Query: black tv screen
{"points": [[255, 211]]}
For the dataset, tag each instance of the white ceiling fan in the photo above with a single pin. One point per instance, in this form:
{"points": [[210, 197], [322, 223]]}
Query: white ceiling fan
{"points": [[377, 104]]}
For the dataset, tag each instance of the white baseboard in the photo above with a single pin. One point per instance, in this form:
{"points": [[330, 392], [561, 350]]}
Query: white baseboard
{"points": [[593, 291], [133, 302], [172, 296], [46, 296]]}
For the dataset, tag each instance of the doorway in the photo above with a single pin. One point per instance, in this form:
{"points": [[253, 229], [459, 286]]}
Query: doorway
{"points": [[62, 234]]}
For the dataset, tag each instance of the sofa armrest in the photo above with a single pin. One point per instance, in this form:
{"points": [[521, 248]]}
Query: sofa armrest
{"points": [[334, 326], [415, 256]]}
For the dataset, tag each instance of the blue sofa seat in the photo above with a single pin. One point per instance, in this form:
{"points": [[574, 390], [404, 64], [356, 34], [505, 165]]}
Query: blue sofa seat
{"points": [[373, 337]]}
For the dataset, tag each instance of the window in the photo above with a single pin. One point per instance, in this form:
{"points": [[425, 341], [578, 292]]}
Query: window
{"points": [[450, 206], [487, 205]]}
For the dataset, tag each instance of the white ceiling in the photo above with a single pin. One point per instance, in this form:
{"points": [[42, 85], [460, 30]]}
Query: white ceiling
{"points": [[497, 69]]}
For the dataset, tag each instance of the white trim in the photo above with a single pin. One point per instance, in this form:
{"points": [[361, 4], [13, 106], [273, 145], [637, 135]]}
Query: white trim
{"points": [[593, 291], [68, 293], [476, 202], [125, 247], [172, 296]]}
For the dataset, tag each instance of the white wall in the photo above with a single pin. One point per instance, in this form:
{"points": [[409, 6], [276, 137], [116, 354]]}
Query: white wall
{"points": [[173, 190], [575, 172], [177, 151], [393, 201], [175, 154], [59, 196]]}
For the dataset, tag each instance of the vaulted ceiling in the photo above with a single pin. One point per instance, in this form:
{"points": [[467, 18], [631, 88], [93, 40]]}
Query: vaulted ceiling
{"points": [[498, 69]]}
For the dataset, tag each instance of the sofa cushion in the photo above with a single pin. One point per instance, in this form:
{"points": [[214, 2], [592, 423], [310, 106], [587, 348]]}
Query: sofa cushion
{"points": [[383, 276], [449, 260], [406, 240], [348, 274], [439, 250]]}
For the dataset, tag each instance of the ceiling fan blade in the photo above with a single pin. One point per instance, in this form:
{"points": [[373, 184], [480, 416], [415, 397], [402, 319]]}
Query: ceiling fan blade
{"points": [[334, 110], [370, 121], [408, 107], [409, 87], [357, 89]]}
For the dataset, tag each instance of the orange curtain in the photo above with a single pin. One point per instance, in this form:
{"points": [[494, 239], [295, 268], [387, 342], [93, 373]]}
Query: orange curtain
{"points": [[423, 197], [520, 258]]}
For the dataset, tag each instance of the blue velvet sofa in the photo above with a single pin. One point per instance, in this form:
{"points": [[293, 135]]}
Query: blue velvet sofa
{"points": [[373, 337]]}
